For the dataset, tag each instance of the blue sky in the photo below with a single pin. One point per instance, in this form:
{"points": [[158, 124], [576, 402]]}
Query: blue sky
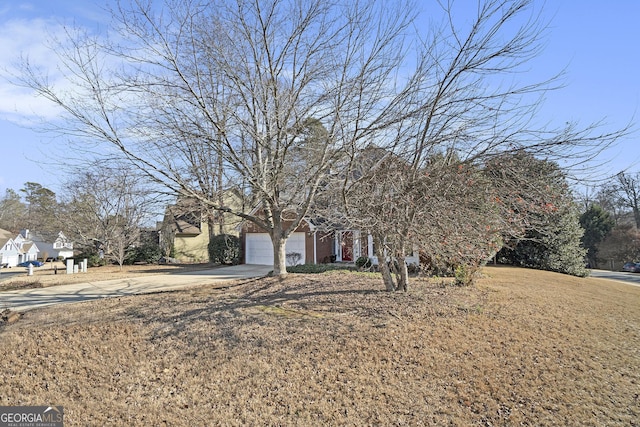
{"points": [[596, 42]]}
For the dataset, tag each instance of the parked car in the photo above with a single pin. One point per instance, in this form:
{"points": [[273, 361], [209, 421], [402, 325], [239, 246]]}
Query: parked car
{"points": [[33, 262], [632, 267]]}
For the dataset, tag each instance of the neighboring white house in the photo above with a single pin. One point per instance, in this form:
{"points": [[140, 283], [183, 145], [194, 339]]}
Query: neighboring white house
{"points": [[28, 249], [9, 251], [14, 250], [54, 246], [28, 246]]}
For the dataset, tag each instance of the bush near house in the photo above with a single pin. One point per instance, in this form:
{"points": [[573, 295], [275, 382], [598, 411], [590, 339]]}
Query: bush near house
{"points": [[224, 249], [363, 262], [148, 253], [93, 259]]}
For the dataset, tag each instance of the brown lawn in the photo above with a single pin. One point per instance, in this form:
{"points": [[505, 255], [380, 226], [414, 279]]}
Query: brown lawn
{"points": [[522, 347], [53, 274]]}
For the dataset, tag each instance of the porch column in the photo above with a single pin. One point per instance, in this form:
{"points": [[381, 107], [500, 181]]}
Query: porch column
{"points": [[337, 245], [315, 252], [357, 244]]}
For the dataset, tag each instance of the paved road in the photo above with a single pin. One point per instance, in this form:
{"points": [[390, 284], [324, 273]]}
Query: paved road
{"points": [[6, 273], [619, 276], [27, 299]]}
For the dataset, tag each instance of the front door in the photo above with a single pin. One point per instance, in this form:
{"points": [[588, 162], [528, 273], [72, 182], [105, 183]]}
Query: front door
{"points": [[347, 246]]}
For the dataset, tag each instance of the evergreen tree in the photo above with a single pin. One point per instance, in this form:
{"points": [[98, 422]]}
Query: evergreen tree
{"points": [[541, 201], [42, 208], [597, 224], [13, 212], [557, 248], [563, 242]]}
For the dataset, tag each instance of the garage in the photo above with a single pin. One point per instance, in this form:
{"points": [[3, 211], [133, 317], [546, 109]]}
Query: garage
{"points": [[259, 250]]}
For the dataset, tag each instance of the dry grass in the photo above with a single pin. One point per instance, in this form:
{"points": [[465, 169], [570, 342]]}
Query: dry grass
{"points": [[522, 347], [47, 275]]}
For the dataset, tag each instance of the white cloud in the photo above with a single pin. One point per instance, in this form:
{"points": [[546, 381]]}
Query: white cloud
{"points": [[26, 38]]}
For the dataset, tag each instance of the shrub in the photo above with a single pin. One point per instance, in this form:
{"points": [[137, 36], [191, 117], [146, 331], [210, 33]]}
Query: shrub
{"points": [[93, 259], [363, 262], [465, 274], [293, 258], [316, 268], [413, 268], [224, 249], [146, 253]]}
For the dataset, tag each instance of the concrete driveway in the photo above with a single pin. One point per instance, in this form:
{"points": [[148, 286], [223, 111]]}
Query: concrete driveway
{"points": [[27, 299]]}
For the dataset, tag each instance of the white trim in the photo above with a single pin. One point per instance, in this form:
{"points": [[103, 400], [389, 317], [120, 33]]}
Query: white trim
{"points": [[315, 249], [356, 250]]}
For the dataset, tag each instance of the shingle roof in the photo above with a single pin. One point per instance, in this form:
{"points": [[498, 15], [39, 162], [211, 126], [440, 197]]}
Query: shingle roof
{"points": [[5, 236]]}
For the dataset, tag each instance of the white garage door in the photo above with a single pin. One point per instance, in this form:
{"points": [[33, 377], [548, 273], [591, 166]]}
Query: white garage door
{"points": [[259, 250]]}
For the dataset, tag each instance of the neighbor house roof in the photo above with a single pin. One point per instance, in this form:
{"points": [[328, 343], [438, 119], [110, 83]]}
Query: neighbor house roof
{"points": [[5, 236], [27, 247], [182, 226], [184, 221]]}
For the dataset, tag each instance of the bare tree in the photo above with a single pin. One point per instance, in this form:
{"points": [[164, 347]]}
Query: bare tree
{"points": [[627, 188], [201, 96], [193, 87], [607, 197], [621, 245], [445, 211], [105, 210], [466, 107]]}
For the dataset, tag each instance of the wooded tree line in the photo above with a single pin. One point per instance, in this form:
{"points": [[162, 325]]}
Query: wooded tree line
{"points": [[611, 221], [102, 211], [280, 100]]}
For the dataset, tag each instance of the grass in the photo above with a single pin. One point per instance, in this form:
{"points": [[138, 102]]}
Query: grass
{"points": [[54, 274], [319, 268], [522, 347]]}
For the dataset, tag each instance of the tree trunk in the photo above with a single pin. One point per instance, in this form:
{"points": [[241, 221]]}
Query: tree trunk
{"points": [[279, 254], [403, 271], [389, 284], [382, 264], [220, 193], [211, 224]]}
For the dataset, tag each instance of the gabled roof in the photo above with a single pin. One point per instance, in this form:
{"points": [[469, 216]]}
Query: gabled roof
{"points": [[183, 226], [183, 221], [5, 236], [43, 237], [50, 237], [28, 246]]}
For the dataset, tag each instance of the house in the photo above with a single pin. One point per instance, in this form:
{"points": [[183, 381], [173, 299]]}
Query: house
{"points": [[306, 245], [28, 249], [315, 246], [18, 249], [187, 226], [185, 234], [56, 246], [315, 242], [9, 251]]}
